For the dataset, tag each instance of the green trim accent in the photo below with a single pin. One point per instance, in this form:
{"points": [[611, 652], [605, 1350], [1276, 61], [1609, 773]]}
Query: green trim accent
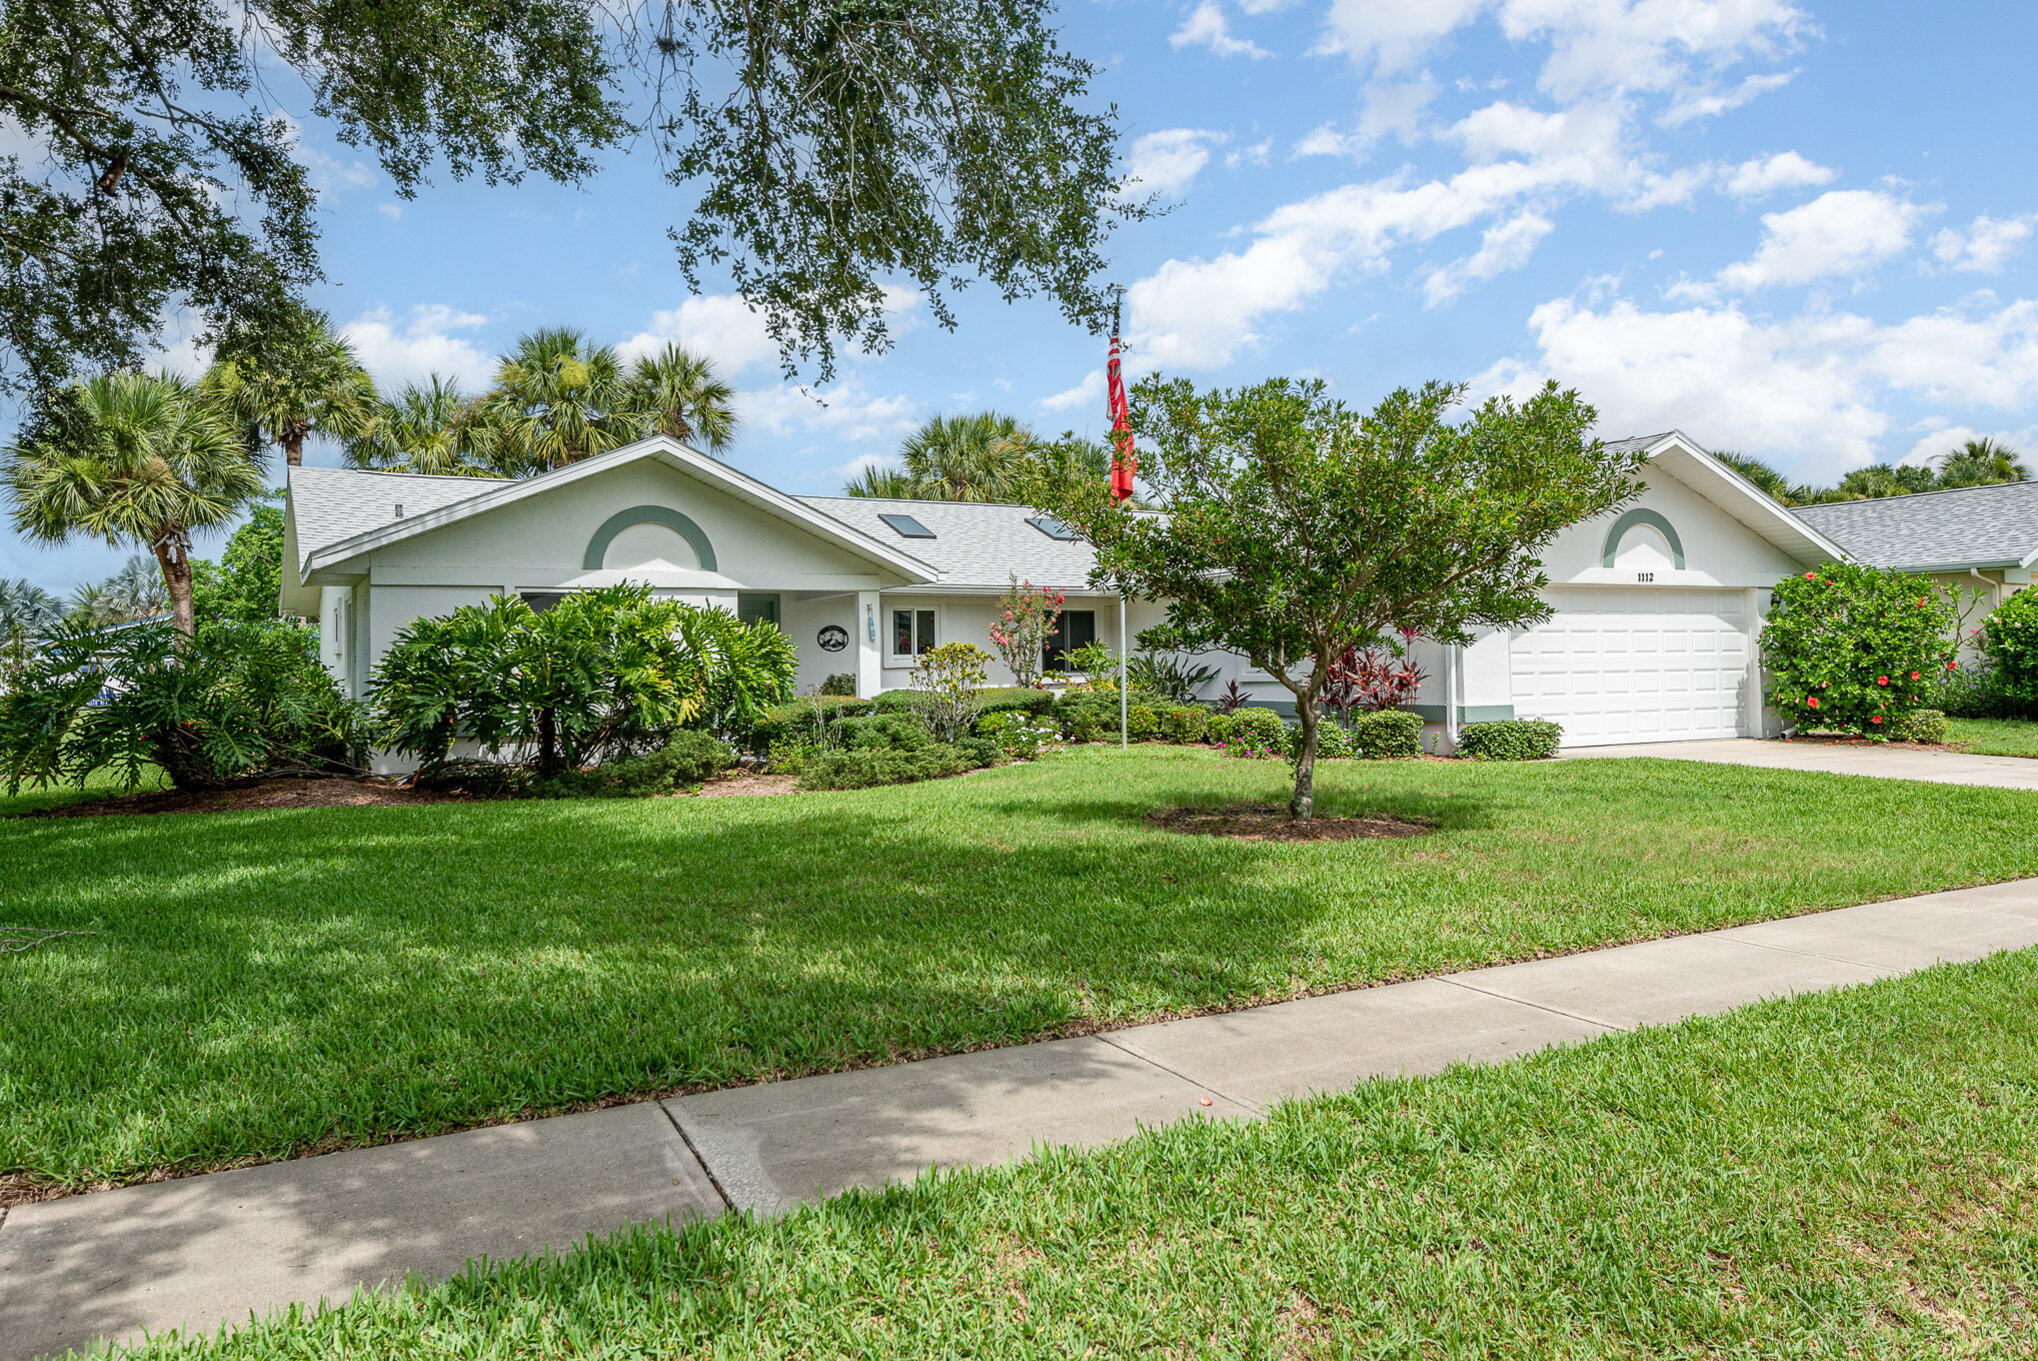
{"points": [[1467, 713], [598, 546], [1641, 515]]}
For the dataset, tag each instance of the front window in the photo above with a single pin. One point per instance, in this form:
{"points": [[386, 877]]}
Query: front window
{"points": [[1075, 628], [912, 632]]}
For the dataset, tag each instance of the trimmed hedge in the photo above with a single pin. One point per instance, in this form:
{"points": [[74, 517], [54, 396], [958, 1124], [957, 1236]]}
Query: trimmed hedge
{"points": [[894, 731], [1386, 733], [795, 719], [690, 758], [1510, 739], [865, 767], [1021, 699], [1919, 725]]}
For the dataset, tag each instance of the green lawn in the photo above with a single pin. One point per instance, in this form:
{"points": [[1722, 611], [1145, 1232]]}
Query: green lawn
{"points": [[1841, 1175], [270, 982], [1994, 736]]}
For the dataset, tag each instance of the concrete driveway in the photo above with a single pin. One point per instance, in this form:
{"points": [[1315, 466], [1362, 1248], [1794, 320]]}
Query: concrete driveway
{"points": [[1889, 763]]}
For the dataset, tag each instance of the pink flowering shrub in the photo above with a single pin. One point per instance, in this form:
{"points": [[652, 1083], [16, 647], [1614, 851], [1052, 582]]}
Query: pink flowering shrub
{"points": [[1855, 649], [1026, 618]]}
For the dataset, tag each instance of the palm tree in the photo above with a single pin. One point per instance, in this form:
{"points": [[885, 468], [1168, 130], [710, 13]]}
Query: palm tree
{"points": [[304, 380], [1981, 463], [1766, 479], [134, 458], [556, 400], [977, 457], [430, 429], [883, 481], [28, 613], [681, 397]]}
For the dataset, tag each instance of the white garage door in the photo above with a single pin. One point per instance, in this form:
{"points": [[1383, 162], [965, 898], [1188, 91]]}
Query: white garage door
{"points": [[1636, 666]]}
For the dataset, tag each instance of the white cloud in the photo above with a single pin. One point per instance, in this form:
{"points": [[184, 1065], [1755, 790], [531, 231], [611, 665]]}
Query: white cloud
{"points": [[1393, 35], [1766, 174], [425, 342], [1168, 162], [1256, 154], [1814, 390], [849, 410], [862, 463], [1388, 108], [1597, 46], [1843, 231], [1206, 26], [392, 211], [1710, 103], [1985, 247], [1506, 246], [724, 328], [1089, 392]]}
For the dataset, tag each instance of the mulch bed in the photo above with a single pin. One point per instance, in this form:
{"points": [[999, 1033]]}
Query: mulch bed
{"points": [[1270, 822], [740, 782], [291, 792], [1841, 739]]}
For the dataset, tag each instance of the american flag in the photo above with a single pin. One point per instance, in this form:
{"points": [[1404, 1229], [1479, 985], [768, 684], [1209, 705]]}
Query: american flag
{"points": [[1124, 462]]}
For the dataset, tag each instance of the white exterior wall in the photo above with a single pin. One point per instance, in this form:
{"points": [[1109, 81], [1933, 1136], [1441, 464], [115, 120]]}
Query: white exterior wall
{"points": [[966, 618]]}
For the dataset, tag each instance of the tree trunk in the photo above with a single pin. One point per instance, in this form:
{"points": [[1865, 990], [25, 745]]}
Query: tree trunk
{"points": [[548, 742], [293, 448], [173, 555], [1304, 803]]}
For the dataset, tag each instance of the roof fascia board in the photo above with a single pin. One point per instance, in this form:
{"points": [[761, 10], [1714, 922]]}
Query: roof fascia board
{"points": [[1750, 494]]}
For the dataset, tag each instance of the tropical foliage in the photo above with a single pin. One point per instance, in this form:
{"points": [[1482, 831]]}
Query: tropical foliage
{"points": [[295, 379], [1851, 648], [605, 673], [28, 615], [430, 429], [2010, 639], [675, 392], [132, 459], [1300, 529], [1977, 462], [247, 581], [235, 701]]}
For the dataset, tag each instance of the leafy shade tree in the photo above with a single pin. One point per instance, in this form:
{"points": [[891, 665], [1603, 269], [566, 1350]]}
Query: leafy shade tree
{"points": [[1299, 530], [1981, 463], [296, 379], [820, 151], [680, 396], [132, 459], [430, 429], [557, 399], [246, 584]]}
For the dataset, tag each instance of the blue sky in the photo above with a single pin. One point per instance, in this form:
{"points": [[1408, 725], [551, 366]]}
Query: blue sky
{"points": [[1800, 230]]}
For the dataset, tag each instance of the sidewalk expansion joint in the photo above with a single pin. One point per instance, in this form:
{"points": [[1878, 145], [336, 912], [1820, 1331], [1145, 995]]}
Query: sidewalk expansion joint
{"points": [[1255, 1107], [692, 1148], [1539, 1006]]}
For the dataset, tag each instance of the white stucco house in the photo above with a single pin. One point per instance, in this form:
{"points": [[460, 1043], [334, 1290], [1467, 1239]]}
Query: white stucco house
{"points": [[1657, 609]]}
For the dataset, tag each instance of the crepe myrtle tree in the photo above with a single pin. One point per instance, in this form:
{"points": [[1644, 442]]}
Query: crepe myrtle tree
{"points": [[1298, 529]]}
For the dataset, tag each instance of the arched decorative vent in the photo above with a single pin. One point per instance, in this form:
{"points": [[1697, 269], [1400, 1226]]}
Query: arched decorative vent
{"points": [[1641, 516], [683, 525]]}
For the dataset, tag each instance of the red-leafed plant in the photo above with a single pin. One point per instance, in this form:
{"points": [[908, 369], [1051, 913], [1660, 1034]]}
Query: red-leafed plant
{"points": [[1366, 680], [1231, 700]]}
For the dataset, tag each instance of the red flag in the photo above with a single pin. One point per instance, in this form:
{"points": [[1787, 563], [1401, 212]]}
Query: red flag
{"points": [[1124, 462]]}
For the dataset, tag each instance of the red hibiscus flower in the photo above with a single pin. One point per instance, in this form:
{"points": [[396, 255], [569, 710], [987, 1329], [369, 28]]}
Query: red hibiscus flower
{"points": [[1811, 576], [1882, 680], [1914, 675], [1876, 719], [1953, 666], [1813, 701]]}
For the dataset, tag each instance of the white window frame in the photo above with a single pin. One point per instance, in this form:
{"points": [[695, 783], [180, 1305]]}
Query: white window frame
{"points": [[899, 659]]}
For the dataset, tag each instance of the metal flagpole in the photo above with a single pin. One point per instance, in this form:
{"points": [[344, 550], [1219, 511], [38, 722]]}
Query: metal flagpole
{"points": [[1124, 701]]}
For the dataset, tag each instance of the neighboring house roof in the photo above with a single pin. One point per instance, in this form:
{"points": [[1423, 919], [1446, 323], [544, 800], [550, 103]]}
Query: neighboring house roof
{"points": [[1936, 530], [976, 544]]}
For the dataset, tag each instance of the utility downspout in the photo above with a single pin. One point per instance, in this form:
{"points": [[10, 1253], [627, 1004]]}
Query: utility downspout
{"points": [[1995, 586], [1124, 700], [1451, 694]]}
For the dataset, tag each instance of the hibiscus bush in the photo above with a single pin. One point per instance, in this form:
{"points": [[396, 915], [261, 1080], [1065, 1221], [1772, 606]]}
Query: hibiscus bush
{"points": [[2011, 640], [1853, 649]]}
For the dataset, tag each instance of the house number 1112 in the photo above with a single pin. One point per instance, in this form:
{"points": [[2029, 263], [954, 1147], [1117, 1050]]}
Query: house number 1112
{"points": [[1644, 578]]}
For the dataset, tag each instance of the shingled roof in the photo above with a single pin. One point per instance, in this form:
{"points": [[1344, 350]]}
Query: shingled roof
{"points": [[1950, 530], [975, 544]]}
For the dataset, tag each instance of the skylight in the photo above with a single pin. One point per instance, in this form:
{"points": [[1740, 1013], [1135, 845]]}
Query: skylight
{"points": [[906, 527], [1053, 528]]}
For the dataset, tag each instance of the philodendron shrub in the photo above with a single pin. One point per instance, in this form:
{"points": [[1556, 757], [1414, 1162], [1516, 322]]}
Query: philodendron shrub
{"points": [[1851, 648]]}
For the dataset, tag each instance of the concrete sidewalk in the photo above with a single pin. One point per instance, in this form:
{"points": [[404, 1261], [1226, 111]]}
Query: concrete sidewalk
{"points": [[1884, 763], [207, 1250]]}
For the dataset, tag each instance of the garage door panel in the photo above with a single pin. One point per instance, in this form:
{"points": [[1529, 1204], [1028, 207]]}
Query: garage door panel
{"points": [[1636, 666]]}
